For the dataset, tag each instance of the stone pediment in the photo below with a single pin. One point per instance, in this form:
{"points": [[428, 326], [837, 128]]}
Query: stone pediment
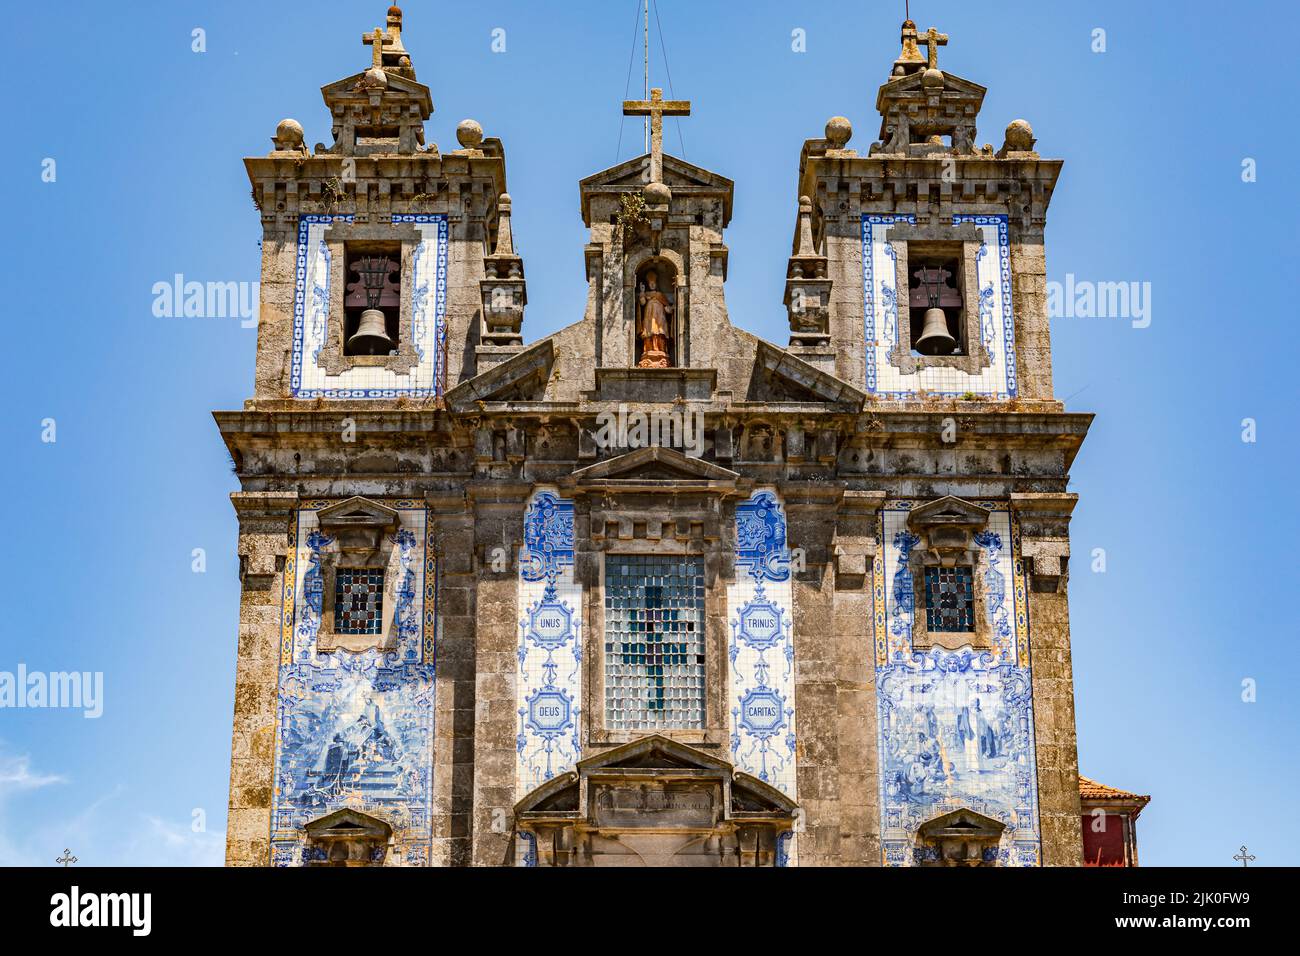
{"points": [[678, 175], [357, 512], [348, 824], [520, 377], [656, 758], [800, 381], [653, 464], [348, 87], [914, 83], [948, 511]]}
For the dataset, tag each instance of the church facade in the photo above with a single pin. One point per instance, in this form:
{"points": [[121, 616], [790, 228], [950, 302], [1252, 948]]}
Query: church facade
{"points": [[650, 589]]}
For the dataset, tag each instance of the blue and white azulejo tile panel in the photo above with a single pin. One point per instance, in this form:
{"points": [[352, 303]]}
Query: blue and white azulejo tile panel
{"points": [[761, 645], [313, 324], [549, 681], [356, 729], [884, 306], [956, 727]]}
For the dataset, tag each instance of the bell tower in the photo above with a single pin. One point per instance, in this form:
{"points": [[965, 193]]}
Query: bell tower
{"points": [[918, 275], [656, 261]]}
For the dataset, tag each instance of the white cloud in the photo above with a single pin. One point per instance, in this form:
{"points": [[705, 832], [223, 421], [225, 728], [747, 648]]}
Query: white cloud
{"points": [[16, 775], [99, 834]]}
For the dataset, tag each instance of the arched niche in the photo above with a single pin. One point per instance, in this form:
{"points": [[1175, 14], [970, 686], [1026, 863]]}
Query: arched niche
{"points": [[668, 281]]}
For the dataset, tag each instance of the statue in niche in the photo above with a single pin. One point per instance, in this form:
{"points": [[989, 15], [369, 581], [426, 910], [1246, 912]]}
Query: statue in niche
{"points": [[653, 326]]}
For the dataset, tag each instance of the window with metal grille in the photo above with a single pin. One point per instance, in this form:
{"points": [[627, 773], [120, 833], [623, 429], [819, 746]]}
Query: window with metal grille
{"points": [[358, 600], [950, 599], [654, 642]]}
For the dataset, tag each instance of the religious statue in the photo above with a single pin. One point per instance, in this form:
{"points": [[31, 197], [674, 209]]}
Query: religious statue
{"points": [[652, 327]]}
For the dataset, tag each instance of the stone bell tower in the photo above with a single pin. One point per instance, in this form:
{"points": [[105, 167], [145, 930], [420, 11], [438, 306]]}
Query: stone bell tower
{"points": [[918, 274]]}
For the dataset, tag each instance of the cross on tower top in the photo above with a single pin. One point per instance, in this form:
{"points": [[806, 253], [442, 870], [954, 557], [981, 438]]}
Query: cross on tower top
{"points": [[387, 43], [656, 108], [933, 39]]}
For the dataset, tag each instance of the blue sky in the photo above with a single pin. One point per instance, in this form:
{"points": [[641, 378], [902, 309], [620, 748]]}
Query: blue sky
{"points": [[147, 137]]}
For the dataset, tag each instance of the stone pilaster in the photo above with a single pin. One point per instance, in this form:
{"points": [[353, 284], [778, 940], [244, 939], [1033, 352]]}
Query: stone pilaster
{"points": [[1044, 534], [453, 748], [264, 524], [498, 514], [810, 516]]}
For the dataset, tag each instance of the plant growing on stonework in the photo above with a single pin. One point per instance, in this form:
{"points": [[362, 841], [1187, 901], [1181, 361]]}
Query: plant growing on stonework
{"points": [[331, 191], [631, 213]]}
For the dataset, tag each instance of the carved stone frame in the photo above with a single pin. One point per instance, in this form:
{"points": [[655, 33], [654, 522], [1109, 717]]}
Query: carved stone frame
{"points": [[332, 358], [947, 528], [961, 241], [363, 534], [633, 262]]}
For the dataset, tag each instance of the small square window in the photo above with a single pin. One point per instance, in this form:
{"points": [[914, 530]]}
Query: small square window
{"points": [[358, 600], [950, 600]]}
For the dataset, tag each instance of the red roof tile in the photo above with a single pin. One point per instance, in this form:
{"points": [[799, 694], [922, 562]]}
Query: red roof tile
{"points": [[1092, 790]]}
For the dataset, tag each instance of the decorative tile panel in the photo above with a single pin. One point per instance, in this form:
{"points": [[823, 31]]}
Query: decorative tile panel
{"points": [[761, 648], [956, 727], [549, 681], [881, 309], [356, 729], [312, 319]]}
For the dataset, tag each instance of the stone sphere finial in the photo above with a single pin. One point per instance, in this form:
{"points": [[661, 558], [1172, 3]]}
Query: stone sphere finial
{"points": [[805, 204], [288, 134], [1020, 135], [503, 202], [375, 79], [469, 133], [932, 79], [838, 131], [657, 194]]}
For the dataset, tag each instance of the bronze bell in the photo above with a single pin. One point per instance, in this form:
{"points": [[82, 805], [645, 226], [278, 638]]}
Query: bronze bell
{"points": [[934, 339], [371, 336]]}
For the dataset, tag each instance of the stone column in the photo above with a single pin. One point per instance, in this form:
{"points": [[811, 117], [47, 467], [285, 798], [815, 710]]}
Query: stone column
{"points": [[1044, 542], [498, 515], [265, 520]]}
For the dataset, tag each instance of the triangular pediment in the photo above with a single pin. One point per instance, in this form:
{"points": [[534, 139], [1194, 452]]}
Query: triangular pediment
{"points": [[396, 84], [948, 510], [678, 175], [912, 83], [357, 510], [962, 822], [654, 752], [793, 379], [521, 377], [651, 464], [348, 823]]}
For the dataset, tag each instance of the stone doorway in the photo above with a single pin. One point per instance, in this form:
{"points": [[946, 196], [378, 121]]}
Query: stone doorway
{"points": [[654, 802]]}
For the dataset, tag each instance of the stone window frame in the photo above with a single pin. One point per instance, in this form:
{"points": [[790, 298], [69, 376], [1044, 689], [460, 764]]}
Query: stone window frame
{"points": [[338, 235], [715, 674], [946, 530], [961, 241], [363, 534]]}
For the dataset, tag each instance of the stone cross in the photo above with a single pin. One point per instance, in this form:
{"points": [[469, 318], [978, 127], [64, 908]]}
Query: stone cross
{"points": [[68, 858], [933, 39], [656, 108], [376, 40], [1244, 857]]}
